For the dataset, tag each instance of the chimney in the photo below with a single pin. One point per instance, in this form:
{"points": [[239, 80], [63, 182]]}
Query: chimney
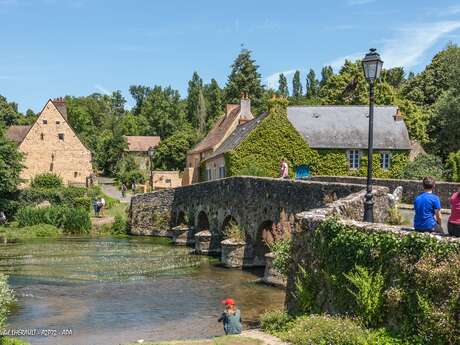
{"points": [[59, 103], [245, 108], [398, 116]]}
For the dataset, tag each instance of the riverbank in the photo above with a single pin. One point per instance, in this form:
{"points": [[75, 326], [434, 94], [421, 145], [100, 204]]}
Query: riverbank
{"points": [[250, 337]]}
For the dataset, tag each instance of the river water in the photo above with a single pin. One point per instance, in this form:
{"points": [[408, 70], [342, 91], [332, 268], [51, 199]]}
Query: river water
{"points": [[115, 291]]}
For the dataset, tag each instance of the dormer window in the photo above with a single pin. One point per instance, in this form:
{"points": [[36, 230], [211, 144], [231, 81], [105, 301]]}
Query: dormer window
{"points": [[45, 122]]}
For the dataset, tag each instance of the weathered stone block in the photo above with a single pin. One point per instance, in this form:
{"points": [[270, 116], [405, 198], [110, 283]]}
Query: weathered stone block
{"points": [[271, 275], [236, 254]]}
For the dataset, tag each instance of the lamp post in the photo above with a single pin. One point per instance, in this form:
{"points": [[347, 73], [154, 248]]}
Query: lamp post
{"points": [[151, 153], [372, 66]]}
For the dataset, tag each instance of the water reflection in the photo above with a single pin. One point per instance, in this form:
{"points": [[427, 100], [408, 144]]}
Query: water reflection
{"points": [[111, 291]]}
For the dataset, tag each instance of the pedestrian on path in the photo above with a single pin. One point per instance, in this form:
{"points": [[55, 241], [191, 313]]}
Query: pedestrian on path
{"points": [[123, 190], [284, 169], [427, 208], [231, 318], [453, 226]]}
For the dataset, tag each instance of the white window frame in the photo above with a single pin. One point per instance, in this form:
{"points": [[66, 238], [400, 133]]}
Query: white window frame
{"points": [[208, 174], [354, 158], [221, 172], [384, 154]]}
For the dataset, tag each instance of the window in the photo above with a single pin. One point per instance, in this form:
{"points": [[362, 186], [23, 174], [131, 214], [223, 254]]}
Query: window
{"points": [[221, 172], [385, 159], [61, 136], [45, 122], [353, 159], [58, 122], [51, 166], [208, 175], [75, 174], [168, 180], [42, 136]]}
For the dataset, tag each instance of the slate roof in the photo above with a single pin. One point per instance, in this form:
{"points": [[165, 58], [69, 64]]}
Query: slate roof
{"points": [[346, 127], [138, 143], [239, 135], [218, 132], [17, 133]]}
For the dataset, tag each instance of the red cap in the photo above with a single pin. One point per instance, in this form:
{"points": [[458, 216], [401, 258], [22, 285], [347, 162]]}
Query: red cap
{"points": [[228, 301]]}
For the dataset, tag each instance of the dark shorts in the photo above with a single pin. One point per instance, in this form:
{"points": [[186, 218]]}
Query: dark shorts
{"points": [[437, 228], [453, 229]]}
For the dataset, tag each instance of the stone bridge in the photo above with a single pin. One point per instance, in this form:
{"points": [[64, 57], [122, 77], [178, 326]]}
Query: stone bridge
{"points": [[254, 203]]}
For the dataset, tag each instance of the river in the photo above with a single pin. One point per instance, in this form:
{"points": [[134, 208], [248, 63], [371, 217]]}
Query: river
{"points": [[114, 291]]}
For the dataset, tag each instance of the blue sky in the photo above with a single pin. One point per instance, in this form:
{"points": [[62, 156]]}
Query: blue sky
{"points": [[52, 48]]}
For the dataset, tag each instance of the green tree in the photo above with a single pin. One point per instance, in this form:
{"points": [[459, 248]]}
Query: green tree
{"points": [[213, 94], [195, 87], [326, 74], [139, 93], [201, 112], [8, 112], [283, 86], [394, 76], [117, 103], [312, 85], [171, 152], [244, 77], [109, 150], [10, 165], [424, 165], [296, 85]]}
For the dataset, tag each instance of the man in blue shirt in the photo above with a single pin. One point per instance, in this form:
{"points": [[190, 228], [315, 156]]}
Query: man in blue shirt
{"points": [[427, 208]]}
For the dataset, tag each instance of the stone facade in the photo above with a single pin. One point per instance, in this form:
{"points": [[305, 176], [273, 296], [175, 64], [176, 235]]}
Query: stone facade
{"points": [[411, 188], [52, 146], [271, 275]]}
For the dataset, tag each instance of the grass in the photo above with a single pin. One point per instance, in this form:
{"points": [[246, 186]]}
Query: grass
{"points": [[227, 340], [15, 234], [118, 209]]}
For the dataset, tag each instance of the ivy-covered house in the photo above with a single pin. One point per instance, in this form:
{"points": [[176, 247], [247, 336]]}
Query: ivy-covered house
{"points": [[340, 136], [319, 140]]}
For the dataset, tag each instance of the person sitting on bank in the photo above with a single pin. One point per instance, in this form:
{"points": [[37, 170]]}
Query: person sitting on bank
{"points": [[231, 317], [427, 208], [453, 226]]}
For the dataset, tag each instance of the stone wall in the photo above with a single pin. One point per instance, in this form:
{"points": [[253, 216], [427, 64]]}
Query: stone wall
{"points": [[410, 187]]}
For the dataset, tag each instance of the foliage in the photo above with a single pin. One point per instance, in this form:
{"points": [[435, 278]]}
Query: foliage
{"points": [[424, 165], [312, 85], [253, 169], [6, 299], [195, 88], [46, 180], [10, 166], [171, 153], [234, 232], [9, 114], [283, 89], [244, 77], [127, 171], [281, 250], [71, 220], [453, 166], [275, 321], [214, 103], [67, 196], [14, 234], [296, 85], [109, 149], [119, 226], [408, 283], [12, 341], [395, 216], [416, 119], [367, 292], [273, 139]]}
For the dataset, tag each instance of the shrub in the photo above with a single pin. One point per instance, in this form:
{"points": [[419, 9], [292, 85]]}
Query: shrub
{"points": [[282, 252], [453, 166], [275, 321], [424, 165], [6, 299], [235, 232], [395, 216], [83, 202], [13, 234], [46, 180], [71, 220], [119, 227], [327, 330], [12, 341]]}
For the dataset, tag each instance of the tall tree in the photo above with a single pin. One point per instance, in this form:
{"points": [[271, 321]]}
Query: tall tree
{"points": [[283, 86], [8, 112], [244, 77], [326, 73], [312, 85], [296, 85], [10, 166], [394, 76], [139, 93], [117, 103], [195, 87], [213, 94], [201, 112]]}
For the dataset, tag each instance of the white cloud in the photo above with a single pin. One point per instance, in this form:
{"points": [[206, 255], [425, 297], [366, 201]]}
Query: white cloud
{"points": [[359, 2], [412, 41], [272, 79]]}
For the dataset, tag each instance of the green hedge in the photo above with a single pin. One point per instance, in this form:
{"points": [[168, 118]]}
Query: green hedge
{"points": [[6, 299], [68, 196], [409, 284], [71, 220]]}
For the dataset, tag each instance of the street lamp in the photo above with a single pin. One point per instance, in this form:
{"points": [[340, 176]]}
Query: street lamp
{"points": [[151, 153], [372, 66]]}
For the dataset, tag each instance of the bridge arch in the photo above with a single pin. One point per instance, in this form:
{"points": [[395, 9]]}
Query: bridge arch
{"points": [[202, 221], [181, 218], [264, 237]]}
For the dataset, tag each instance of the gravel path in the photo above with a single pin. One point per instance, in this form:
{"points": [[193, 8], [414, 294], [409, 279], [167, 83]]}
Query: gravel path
{"points": [[266, 338], [108, 187]]}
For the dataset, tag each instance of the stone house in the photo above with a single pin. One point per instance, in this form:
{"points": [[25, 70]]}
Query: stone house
{"points": [[138, 148], [235, 115], [51, 145]]}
